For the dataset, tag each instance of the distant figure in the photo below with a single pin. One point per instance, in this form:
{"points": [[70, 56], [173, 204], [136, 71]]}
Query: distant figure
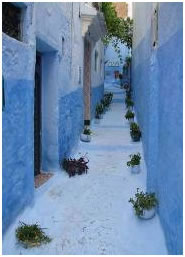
{"points": [[121, 80]]}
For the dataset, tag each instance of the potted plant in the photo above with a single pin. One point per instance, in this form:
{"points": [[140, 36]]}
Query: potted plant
{"points": [[31, 235], [134, 163], [75, 166], [135, 132], [129, 116], [99, 110], [86, 135], [126, 86], [107, 100], [144, 204], [129, 103]]}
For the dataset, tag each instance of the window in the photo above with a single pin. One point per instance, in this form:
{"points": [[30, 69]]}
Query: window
{"points": [[155, 27], [63, 45], [96, 60], [11, 20], [79, 75]]}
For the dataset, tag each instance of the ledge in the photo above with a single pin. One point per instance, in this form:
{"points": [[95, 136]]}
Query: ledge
{"points": [[93, 23]]}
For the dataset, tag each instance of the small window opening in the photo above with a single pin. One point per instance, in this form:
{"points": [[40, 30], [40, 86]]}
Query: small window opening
{"points": [[79, 11], [96, 60], [63, 45], [79, 75], [11, 20], [155, 27]]}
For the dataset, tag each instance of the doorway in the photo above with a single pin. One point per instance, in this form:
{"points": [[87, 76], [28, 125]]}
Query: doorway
{"points": [[37, 114], [87, 82]]}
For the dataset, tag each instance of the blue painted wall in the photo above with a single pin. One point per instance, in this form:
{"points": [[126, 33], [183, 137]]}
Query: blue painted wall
{"points": [[17, 129], [62, 96], [97, 96], [71, 122], [17, 121], [157, 85]]}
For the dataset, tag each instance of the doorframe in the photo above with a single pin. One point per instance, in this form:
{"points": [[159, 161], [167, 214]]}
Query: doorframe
{"points": [[39, 102], [87, 81]]}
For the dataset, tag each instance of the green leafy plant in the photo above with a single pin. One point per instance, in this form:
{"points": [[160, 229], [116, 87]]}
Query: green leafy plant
{"points": [[99, 109], [107, 99], [126, 86], [143, 201], [134, 160], [128, 60], [129, 102], [31, 235], [87, 131], [135, 131], [128, 93], [129, 115], [119, 30]]}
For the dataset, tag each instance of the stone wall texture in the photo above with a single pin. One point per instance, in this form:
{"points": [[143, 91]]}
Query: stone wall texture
{"points": [[157, 89]]}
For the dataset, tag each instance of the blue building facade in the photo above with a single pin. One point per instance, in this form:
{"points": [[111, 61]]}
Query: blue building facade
{"points": [[52, 39], [157, 82]]}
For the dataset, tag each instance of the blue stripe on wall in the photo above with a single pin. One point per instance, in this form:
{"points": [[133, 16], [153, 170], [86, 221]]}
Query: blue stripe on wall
{"points": [[70, 121], [17, 128], [97, 95]]}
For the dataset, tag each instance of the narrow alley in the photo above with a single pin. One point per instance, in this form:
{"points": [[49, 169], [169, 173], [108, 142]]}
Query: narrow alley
{"points": [[90, 214], [92, 128]]}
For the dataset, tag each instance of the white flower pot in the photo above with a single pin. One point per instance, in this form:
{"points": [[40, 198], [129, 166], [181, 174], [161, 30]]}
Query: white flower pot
{"points": [[148, 214], [136, 169], [131, 120], [85, 138], [130, 108], [97, 121]]}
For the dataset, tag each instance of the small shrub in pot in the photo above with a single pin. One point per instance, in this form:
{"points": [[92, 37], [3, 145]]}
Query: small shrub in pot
{"points": [[99, 110], [87, 131], [134, 162], [129, 115], [129, 103], [86, 135], [135, 132], [75, 166], [31, 235], [144, 204]]}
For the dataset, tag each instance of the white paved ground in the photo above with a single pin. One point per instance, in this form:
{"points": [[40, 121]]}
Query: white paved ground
{"points": [[90, 214]]}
